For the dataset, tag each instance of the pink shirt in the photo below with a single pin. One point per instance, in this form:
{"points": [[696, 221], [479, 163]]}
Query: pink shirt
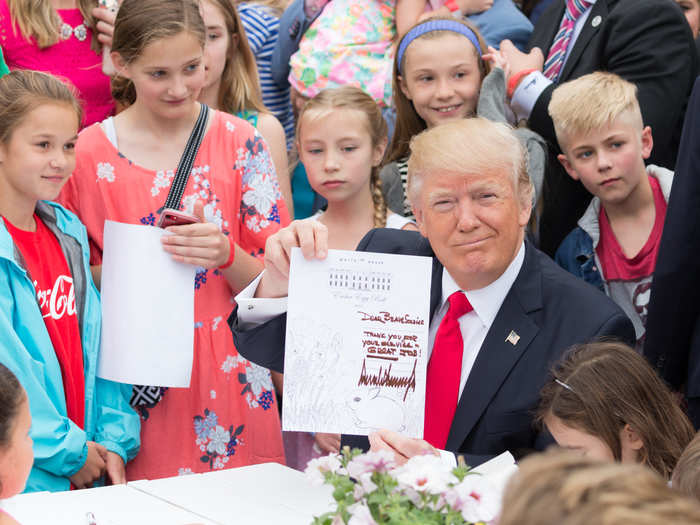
{"points": [[71, 59]]}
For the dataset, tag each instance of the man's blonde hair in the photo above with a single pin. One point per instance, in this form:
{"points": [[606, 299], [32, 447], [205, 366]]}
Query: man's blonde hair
{"points": [[566, 488], [472, 145], [590, 102]]}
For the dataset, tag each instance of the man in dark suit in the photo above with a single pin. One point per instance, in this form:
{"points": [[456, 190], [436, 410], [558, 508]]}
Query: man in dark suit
{"points": [[472, 198], [672, 341], [646, 42]]}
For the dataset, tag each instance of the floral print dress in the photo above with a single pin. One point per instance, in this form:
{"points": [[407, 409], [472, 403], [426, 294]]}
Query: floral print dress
{"points": [[228, 416], [349, 43]]}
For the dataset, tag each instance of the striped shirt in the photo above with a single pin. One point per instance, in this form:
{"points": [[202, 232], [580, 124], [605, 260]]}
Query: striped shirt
{"points": [[262, 27]]}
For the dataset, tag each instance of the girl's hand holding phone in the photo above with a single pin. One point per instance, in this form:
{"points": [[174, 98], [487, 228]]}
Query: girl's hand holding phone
{"points": [[201, 244]]}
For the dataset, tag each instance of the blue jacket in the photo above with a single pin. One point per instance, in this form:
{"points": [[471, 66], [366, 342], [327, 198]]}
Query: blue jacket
{"points": [[576, 253], [60, 448]]}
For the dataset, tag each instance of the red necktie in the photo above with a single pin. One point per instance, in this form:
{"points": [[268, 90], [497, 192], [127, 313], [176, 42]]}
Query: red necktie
{"points": [[444, 371]]}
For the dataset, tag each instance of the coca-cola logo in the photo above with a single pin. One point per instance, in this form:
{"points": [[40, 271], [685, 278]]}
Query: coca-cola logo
{"points": [[59, 300]]}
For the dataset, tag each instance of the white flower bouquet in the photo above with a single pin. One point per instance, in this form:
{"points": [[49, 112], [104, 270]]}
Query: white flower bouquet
{"points": [[370, 489]]}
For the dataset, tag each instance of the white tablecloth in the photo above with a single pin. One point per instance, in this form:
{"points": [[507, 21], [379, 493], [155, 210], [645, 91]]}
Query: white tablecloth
{"points": [[260, 494]]}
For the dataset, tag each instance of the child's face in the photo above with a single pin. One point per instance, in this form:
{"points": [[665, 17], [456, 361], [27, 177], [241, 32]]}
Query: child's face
{"points": [[337, 152], [39, 156], [592, 446], [16, 461], [167, 76], [609, 161], [446, 88], [217, 45]]}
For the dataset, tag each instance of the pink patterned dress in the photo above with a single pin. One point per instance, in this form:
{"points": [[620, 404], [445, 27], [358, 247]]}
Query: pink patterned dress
{"points": [[228, 417], [70, 59]]}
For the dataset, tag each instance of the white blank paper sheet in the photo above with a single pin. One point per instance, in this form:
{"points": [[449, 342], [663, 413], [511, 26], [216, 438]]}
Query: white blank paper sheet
{"points": [[147, 309]]}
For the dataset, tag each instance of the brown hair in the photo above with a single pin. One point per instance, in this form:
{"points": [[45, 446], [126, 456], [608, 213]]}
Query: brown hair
{"points": [[408, 122], [350, 97], [600, 387], [686, 475], [240, 86], [11, 397], [39, 20], [22, 91], [565, 488], [139, 23]]}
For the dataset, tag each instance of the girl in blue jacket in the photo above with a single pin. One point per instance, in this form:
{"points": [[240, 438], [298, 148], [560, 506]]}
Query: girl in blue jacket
{"points": [[82, 426]]}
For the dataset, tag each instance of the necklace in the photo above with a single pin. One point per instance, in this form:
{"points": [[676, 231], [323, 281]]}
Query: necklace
{"points": [[80, 31]]}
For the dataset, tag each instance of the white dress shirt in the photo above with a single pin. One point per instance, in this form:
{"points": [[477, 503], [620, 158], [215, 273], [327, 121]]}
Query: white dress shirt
{"points": [[532, 86]]}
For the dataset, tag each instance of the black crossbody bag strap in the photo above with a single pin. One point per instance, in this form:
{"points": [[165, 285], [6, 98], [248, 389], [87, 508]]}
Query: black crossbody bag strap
{"points": [[184, 168], [144, 397]]}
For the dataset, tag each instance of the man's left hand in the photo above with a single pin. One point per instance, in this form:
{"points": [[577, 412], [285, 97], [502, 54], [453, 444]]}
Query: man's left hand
{"points": [[403, 447]]}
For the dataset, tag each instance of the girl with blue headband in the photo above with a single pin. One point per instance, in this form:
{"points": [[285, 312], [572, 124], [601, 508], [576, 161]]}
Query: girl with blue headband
{"points": [[439, 75]]}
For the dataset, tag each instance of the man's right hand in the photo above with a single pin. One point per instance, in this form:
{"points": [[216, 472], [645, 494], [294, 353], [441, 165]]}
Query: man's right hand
{"points": [[309, 235], [93, 468]]}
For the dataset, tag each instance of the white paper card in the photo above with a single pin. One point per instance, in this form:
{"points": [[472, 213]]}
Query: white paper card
{"points": [[147, 309], [357, 343]]}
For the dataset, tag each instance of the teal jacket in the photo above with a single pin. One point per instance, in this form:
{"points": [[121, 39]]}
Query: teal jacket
{"points": [[60, 448]]}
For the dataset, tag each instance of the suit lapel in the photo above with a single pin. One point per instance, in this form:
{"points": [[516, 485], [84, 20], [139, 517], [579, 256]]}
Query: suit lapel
{"points": [[508, 339], [544, 38], [435, 287], [599, 13]]}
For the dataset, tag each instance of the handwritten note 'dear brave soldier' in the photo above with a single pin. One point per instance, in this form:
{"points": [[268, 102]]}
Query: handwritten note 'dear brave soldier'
{"points": [[357, 343]]}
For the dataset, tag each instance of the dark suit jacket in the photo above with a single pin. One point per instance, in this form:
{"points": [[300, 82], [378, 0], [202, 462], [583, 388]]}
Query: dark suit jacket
{"points": [[672, 340], [647, 42], [547, 307]]}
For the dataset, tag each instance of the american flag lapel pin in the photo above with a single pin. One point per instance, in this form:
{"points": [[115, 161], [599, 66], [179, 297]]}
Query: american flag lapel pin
{"points": [[513, 338]]}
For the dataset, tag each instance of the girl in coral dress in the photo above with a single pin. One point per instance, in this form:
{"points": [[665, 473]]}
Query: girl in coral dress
{"points": [[125, 165]]}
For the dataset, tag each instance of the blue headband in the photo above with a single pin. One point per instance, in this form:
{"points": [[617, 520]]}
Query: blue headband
{"points": [[436, 25]]}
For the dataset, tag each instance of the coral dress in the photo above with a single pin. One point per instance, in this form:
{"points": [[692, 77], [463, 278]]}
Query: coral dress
{"points": [[349, 43], [69, 58], [228, 416]]}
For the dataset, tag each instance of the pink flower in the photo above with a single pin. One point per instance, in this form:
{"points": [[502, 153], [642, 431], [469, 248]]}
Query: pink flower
{"points": [[380, 461], [317, 468], [475, 497], [360, 515], [426, 473]]}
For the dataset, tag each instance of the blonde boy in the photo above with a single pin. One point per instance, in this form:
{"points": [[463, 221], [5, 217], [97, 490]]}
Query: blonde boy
{"points": [[599, 127]]}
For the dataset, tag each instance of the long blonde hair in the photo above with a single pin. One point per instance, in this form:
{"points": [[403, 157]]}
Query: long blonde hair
{"points": [[39, 20], [240, 85], [565, 488], [351, 97]]}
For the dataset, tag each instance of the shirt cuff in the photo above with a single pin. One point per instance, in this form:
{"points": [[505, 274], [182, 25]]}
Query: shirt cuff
{"points": [[448, 458], [527, 93], [254, 311]]}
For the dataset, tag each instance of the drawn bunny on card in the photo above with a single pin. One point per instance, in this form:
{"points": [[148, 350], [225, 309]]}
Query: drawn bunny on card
{"points": [[372, 411]]}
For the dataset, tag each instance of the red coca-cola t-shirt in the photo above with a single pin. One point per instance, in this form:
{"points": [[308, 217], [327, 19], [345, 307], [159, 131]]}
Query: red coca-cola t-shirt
{"points": [[48, 270]]}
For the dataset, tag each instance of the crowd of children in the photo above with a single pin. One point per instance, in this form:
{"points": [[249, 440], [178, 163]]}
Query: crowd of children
{"points": [[78, 147]]}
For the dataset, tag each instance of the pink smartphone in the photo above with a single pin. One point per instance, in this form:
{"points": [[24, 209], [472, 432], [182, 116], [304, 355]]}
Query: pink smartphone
{"points": [[170, 217]]}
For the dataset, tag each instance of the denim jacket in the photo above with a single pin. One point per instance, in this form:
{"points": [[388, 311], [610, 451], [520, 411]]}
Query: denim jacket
{"points": [[60, 448], [577, 255]]}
